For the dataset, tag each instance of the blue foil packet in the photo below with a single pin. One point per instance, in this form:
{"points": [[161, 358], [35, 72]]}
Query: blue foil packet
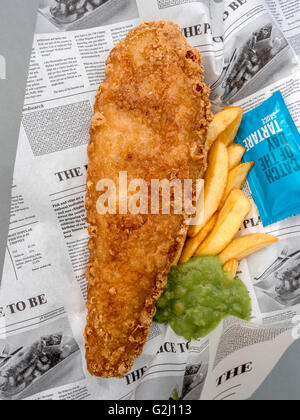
{"points": [[272, 141]]}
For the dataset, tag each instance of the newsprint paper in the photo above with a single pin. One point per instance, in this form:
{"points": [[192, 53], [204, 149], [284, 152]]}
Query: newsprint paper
{"points": [[250, 50]]}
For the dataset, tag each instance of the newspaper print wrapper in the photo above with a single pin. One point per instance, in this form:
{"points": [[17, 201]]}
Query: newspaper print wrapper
{"points": [[248, 56], [272, 141]]}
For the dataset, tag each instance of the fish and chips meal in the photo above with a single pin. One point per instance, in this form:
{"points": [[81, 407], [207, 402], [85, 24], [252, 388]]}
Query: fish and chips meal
{"points": [[68, 11], [248, 60], [153, 120], [31, 363]]}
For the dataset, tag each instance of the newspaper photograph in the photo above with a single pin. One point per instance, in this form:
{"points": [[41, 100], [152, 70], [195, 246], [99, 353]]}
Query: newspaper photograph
{"points": [[250, 50], [83, 14], [39, 361]]}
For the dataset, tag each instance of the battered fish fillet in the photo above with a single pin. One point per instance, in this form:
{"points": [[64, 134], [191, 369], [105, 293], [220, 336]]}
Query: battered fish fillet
{"points": [[151, 117]]}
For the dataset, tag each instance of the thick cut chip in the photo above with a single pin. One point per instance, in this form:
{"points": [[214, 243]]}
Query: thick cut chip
{"points": [[232, 266], [236, 179], [246, 245], [179, 253], [215, 182], [235, 155], [192, 244], [231, 218], [225, 126]]}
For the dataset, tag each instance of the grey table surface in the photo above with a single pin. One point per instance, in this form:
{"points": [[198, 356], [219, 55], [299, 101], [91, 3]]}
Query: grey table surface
{"points": [[284, 381], [17, 23]]}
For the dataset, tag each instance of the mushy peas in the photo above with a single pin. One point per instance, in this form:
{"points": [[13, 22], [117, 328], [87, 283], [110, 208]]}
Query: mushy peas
{"points": [[199, 294]]}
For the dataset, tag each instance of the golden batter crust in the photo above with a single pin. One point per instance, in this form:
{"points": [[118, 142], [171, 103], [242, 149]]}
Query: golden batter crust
{"points": [[151, 118]]}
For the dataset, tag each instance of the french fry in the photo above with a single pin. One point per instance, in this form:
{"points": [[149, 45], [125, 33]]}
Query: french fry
{"points": [[232, 266], [230, 219], [176, 261], [235, 155], [225, 126], [236, 179], [193, 244], [215, 183], [246, 245]]}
